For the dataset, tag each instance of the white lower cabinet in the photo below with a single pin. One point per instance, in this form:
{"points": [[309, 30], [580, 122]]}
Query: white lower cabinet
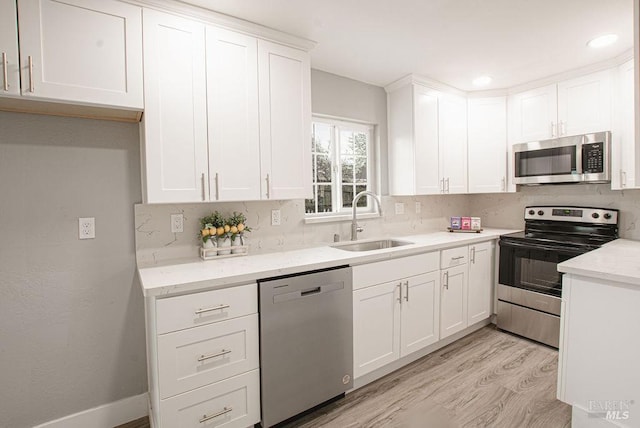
{"points": [[203, 357], [394, 318], [453, 300], [479, 290]]}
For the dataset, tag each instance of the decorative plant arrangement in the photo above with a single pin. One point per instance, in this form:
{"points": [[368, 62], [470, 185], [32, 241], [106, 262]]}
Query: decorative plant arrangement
{"points": [[223, 236]]}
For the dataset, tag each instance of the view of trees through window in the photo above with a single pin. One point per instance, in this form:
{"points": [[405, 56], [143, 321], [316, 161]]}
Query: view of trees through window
{"points": [[340, 157]]}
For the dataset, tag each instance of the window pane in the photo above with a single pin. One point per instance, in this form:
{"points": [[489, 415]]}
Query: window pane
{"points": [[347, 169], [361, 170], [325, 204], [346, 142], [310, 204], [323, 169], [322, 137], [347, 195], [360, 143], [364, 201], [313, 167]]}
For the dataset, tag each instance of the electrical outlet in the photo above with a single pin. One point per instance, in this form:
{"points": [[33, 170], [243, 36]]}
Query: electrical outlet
{"points": [[177, 223], [399, 208], [86, 228], [275, 217], [418, 207]]}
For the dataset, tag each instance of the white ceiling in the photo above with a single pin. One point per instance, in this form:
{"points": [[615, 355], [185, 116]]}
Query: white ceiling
{"points": [[453, 41]]}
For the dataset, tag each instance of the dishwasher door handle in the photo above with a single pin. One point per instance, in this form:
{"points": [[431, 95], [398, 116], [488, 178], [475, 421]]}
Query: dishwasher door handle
{"points": [[307, 292], [315, 290]]}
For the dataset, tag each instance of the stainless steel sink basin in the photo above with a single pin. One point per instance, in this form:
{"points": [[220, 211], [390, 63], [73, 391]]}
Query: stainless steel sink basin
{"points": [[372, 245]]}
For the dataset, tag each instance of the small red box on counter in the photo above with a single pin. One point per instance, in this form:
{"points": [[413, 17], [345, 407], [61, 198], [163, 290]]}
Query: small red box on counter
{"points": [[465, 223]]}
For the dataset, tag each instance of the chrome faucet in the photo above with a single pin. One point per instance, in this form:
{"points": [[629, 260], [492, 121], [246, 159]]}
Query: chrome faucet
{"points": [[354, 223]]}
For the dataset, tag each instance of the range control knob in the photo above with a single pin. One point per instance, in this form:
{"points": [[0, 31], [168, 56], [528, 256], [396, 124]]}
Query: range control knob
{"points": [[540, 212], [595, 215], [607, 216], [531, 212]]}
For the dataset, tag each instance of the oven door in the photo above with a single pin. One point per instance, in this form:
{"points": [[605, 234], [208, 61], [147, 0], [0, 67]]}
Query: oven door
{"points": [[551, 161], [533, 267]]}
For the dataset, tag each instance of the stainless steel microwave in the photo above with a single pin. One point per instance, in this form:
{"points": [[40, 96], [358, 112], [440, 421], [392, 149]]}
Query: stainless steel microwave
{"points": [[575, 159]]}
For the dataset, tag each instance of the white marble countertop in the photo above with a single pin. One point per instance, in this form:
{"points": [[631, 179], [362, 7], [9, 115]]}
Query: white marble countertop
{"points": [[198, 274], [617, 260]]}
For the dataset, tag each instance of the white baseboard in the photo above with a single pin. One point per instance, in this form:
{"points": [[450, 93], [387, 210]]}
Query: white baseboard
{"points": [[105, 416]]}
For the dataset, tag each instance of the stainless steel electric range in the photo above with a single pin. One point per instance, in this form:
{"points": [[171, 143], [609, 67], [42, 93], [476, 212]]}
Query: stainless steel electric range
{"points": [[530, 286]]}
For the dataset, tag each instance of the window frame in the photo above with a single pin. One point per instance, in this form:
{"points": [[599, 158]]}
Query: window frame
{"points": [[340, 212]]}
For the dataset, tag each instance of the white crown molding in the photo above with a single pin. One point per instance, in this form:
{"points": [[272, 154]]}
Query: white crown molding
{"points": [[226, 21], [424, 81]]}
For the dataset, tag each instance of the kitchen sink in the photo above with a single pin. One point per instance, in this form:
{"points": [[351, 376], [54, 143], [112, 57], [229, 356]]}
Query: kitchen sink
{"points": [[372, 245]]}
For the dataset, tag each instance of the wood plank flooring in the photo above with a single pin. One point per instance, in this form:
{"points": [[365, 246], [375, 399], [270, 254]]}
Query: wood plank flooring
{"points": [[487, 379]]}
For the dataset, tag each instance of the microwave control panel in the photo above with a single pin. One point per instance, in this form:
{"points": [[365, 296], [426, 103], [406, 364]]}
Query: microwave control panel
{"points": [[593, 158]]}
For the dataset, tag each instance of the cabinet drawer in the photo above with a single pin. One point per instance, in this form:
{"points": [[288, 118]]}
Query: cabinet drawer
{"points": [[391, 270], [177, 313], [232, 403], [199, 356], [454, 257]]}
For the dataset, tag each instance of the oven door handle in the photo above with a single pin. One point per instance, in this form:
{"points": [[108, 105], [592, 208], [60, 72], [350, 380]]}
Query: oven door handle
{"points": [[529, 246]]}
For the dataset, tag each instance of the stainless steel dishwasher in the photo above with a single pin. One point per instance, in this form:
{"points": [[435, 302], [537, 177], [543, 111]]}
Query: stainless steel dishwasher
{"points": [[306, 341]]}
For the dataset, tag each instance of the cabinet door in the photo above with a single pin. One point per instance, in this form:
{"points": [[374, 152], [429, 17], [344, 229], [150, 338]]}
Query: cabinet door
{"points": [[376, 327], [427, 172], [453, 143], [87, 51], [453, 300], [584, 104], [420, 312], [10, 80], [623, 137], [533, 115], [480, 282], [487, 145], [175, 119], [232, 97], [284, 86]]}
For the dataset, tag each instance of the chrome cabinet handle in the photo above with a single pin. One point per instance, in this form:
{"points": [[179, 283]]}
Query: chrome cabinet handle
{"points": [[204, 196], [563, 129], [553, 129], [210, 356], [473, 255], [406, 295], [445, 280], [442, 185], [623, 178], [504, 184], [400, 291], [268, 187], [205, 418], [457, 258], [447, 181], [217, 187], [31, 88], [214, 308], [5, 80]]}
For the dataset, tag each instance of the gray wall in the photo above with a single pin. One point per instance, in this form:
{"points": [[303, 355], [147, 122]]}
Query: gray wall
{"points": [[350, 99], [71, 311]]}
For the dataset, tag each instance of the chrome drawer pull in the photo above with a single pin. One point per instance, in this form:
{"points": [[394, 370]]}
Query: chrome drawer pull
{"points": [[215, 308], [31, 88], [457, 258], [226, 410], [210, 356]]}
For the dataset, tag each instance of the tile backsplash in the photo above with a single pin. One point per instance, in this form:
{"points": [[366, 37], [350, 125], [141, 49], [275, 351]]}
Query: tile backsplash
{"points": [[156, 244]]}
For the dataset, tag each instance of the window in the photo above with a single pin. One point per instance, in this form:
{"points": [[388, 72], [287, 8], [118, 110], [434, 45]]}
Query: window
{"points": [[342, 166]]}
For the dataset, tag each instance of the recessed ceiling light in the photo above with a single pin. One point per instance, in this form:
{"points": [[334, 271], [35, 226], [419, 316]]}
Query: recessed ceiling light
{"points": [[482, 81], [602, 41]]}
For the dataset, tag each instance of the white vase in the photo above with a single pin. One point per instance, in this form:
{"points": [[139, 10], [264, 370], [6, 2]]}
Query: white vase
{"points": [[238, 241], [209, 243], [224, 246]]}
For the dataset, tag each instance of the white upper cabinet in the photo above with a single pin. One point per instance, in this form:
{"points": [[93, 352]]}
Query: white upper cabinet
{"points": [[232, 97], [10, 84], [175, 120], [284, 76], [572, 107], [584, 104], [427, 141], [81, 51], [452, 121], [623, 147], [487, 148], [533, 115]]}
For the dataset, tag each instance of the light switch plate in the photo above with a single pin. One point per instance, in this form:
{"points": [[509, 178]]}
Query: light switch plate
{"points": [[399, 208]]}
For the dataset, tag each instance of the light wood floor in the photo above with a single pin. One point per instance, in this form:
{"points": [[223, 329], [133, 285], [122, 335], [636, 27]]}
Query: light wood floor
{"points": [[487, 379]]}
